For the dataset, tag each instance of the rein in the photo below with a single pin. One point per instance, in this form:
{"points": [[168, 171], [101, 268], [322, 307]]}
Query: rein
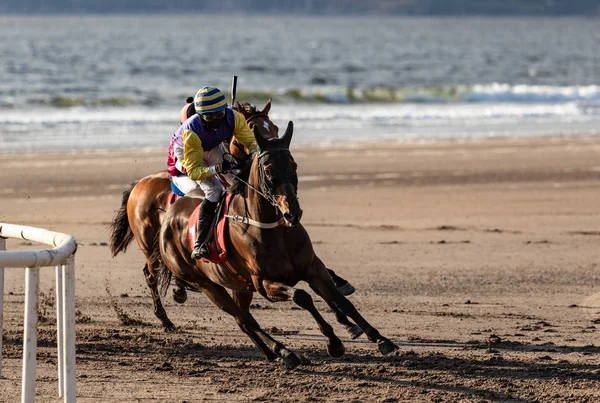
{"points": [[269, 198], [266, 195]]}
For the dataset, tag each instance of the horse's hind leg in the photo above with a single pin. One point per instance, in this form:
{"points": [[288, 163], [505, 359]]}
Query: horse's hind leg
{"points": [[354, 331], [342, 284], [221, 298], [159, 310], [280, 292], [178, 292], [320, 281]]}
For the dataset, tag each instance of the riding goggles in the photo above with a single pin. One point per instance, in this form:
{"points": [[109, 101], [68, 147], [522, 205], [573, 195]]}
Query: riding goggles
{"points": [[210, 117]]}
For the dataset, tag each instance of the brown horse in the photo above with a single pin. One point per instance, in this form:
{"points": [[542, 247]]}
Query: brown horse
{"points": [[144, 204], [272, 258]]}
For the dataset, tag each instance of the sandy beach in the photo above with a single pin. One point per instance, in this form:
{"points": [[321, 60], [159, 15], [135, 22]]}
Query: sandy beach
{"points": [[479, 258]]}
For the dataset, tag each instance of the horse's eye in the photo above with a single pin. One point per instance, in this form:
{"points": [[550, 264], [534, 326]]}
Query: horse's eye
{"points": [[269, 173]]}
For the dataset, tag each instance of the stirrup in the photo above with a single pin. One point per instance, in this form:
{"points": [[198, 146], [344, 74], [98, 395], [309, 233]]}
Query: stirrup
{"points": [[200, 251]]}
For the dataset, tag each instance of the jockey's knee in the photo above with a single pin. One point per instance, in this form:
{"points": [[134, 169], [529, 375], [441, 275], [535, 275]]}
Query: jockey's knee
{"points": [[184, 184], [213, 194], [197, 192]]}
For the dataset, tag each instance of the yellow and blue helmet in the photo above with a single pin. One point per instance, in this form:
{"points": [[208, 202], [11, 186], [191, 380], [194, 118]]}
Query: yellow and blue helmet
{"points": [[209, 100]]}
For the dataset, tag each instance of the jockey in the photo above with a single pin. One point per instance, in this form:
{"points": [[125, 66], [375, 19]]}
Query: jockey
{"points": [[196, 154], [187, 111]]}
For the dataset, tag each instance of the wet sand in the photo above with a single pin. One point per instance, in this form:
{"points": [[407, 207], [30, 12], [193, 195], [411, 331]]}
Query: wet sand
{"points": [[478, 258]]}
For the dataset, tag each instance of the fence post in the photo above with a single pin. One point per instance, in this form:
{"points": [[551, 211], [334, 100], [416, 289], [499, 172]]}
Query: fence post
{"points": [[2, 247], [69, 329], [60, 333], [62, 258], [32, 287]]}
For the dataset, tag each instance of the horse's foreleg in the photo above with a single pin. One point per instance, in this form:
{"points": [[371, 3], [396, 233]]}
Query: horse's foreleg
{"points": [[243, 299], [159, 310], [320, 281], [281, 292], [219, 296]]}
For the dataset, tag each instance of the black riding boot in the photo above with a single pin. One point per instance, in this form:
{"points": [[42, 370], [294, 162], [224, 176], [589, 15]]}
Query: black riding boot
{"points": [[205, 220]]}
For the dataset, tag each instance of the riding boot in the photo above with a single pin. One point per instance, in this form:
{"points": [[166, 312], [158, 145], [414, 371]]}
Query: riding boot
{"points": [[205, 221]]}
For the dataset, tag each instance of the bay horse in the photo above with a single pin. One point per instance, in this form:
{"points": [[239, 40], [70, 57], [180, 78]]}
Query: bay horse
{"points": [[144, 203], [143, 206], [270, 251]]}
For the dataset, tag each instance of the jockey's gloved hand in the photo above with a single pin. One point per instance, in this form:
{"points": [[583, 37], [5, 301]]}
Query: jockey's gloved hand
{"points": [[248, 161], [225, 167], [246, 164]]}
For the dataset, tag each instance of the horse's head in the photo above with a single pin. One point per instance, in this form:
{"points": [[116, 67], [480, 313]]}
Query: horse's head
{"points": [[258, 118], [275, 172]]}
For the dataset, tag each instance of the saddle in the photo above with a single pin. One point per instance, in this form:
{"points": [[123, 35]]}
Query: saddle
{"points": [[216, 239]]}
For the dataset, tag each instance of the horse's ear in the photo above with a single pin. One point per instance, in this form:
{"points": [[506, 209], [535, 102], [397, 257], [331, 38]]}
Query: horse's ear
{"points": [[287, 137], [236, 106], [267, 107], [260, 140]]}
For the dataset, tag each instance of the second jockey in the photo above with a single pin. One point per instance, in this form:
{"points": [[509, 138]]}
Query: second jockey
{"points": [[196, 152]]}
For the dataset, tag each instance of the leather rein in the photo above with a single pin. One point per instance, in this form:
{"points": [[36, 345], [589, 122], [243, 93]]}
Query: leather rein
{"points": [[269, 197]]}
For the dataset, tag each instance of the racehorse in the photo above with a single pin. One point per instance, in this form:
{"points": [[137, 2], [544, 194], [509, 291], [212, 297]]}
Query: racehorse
{"points": [[270, 251], [145, 202]]}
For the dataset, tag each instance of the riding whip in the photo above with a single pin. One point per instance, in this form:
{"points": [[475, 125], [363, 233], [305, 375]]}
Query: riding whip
{"points": [[233, 88]]}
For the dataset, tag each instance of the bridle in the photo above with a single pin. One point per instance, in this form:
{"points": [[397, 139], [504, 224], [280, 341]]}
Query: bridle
{"points": [[267, 185], [258, 115], [266, 191]]}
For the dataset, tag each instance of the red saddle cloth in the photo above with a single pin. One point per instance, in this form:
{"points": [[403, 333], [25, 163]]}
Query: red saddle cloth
{"points": [[218, 252], [172, 198]]}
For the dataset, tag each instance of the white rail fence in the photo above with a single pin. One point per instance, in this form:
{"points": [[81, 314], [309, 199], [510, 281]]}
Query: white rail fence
{"points": [[62, 257]]}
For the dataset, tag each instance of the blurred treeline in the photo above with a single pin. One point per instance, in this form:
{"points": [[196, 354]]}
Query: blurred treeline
{"points": [[310, 7]]}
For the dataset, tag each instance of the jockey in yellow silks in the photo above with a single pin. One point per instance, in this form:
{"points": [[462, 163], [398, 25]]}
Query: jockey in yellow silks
{"points": [[196, 154]]}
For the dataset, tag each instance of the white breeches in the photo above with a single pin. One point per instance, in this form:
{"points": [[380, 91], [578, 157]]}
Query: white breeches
{"points": [[212, 187]]}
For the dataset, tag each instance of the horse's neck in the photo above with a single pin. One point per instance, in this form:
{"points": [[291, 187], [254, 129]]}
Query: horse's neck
{"points": [[258, 207]]}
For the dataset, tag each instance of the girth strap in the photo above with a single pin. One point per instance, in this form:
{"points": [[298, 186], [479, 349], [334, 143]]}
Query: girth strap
{"points": [[238, 275]]}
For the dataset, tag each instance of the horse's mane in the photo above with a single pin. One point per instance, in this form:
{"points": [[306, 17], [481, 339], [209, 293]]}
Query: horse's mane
{"points": [[246, 109]]}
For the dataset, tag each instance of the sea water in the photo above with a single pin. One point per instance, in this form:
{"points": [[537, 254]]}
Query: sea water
{"points": [[119, 81]]}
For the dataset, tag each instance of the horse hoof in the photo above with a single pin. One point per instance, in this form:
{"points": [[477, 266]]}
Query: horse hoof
{"points": [[347, 289], [291, 360], [179, 295], [169, 327], [336, 350], [355, 332], [386, 346]]}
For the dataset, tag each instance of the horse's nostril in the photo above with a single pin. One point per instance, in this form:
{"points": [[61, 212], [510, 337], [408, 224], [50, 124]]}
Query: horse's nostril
{"points": [[288, 216]]}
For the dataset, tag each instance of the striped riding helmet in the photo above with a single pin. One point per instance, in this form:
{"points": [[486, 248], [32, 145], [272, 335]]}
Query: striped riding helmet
{"points": [[209, 100]]}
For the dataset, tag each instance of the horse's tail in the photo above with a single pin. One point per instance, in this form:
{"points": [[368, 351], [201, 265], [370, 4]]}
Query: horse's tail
{"points": [[163, 274], [120, 232]]}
